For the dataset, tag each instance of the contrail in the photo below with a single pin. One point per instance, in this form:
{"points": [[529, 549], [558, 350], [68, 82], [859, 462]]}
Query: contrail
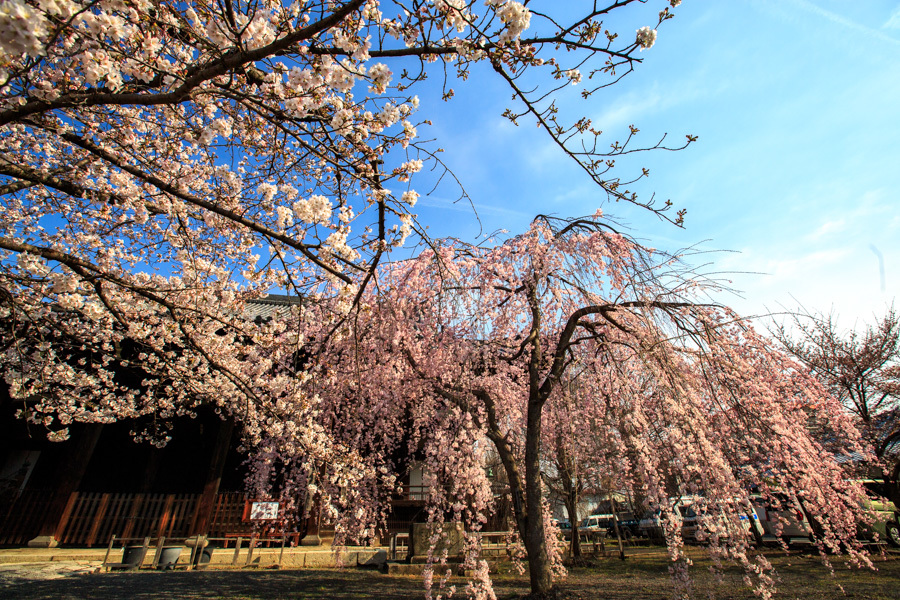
{"points": [[877, 252]]}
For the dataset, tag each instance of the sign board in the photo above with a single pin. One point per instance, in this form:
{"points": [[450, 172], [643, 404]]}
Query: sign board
{"points": [[263, 511]]}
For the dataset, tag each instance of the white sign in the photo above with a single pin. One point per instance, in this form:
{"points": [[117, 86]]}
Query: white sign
{"points": [[263, 511]]}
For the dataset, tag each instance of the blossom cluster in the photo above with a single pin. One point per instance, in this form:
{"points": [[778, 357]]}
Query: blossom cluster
{"points": [[22, 31], [516, 17], [646, 37]]}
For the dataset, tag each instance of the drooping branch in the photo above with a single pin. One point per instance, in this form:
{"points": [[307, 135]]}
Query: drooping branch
{"points": [[574, 322]]}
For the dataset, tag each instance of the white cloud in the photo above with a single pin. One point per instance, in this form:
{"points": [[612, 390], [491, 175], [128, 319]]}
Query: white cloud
{"points": [[845, 22], [628, 109], [893, 21], [465, 206], [784, 277], [785, 270], [827, 228]]}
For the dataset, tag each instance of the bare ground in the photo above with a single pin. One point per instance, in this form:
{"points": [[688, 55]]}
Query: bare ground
{"points": [[638, 578]]}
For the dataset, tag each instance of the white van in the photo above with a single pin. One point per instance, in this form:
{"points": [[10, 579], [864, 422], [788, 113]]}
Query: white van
{"points": [[782, 519], [697, 520], [598, 523]]}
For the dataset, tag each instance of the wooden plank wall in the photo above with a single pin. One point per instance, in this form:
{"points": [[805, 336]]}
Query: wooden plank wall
{"points": [[24, 517], [228, 514], [97, 516], [91, 518]]}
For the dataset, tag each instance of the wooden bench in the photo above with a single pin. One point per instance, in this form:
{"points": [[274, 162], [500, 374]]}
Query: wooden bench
{"points": [[192, 562], [125, 565], [255, 541]]}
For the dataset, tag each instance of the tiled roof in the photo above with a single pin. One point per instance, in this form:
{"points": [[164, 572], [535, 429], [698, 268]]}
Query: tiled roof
{"points": [[270, 306]]}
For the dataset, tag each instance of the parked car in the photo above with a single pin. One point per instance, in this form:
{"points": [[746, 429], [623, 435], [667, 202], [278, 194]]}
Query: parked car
{"points": [[690, 521], [886, 518], [697, 523], [565, 528], [597, 523], [650, 525], [782, 519], [628, 526]]}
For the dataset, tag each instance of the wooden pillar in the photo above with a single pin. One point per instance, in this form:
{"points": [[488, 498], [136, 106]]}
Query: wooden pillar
{"points": [[64, 519], [206, 505], [311, 534], [71, 470], [166, 516], [98, 520]]}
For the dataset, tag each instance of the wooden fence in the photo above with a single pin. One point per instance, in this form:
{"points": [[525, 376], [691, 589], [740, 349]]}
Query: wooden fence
{"points": [[228, 515], [90, 519], [21, 521]]}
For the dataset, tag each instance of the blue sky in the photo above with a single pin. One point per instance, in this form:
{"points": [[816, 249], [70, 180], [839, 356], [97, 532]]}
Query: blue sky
{"points": [[796, 172]]}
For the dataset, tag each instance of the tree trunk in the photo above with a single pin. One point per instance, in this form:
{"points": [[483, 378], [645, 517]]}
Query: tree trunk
{"points": [[613, 509], [529, 514], [535, 542], [572, 510], [527, 505], [569, 478]]}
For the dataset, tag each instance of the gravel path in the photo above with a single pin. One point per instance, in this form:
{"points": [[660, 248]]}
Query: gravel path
{"points": [[43, 571]]}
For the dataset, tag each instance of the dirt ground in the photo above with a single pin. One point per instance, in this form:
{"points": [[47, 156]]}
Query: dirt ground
{"points": [[637, 578]]}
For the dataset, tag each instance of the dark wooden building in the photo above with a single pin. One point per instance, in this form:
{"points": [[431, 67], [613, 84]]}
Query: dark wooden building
{"points": [[100, 482]]}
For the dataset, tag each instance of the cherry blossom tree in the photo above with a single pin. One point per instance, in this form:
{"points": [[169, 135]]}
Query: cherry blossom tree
{"points": [[163, 162], [469, 345], [576, 454], [861, 369], [569, 473]]}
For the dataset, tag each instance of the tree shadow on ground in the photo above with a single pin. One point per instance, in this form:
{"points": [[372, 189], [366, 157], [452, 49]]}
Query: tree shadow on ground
{"points": [[801, 577], [249, 585]]}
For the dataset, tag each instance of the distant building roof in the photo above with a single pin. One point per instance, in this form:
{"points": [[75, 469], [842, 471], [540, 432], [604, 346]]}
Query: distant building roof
{"points": [[271, 305]]}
